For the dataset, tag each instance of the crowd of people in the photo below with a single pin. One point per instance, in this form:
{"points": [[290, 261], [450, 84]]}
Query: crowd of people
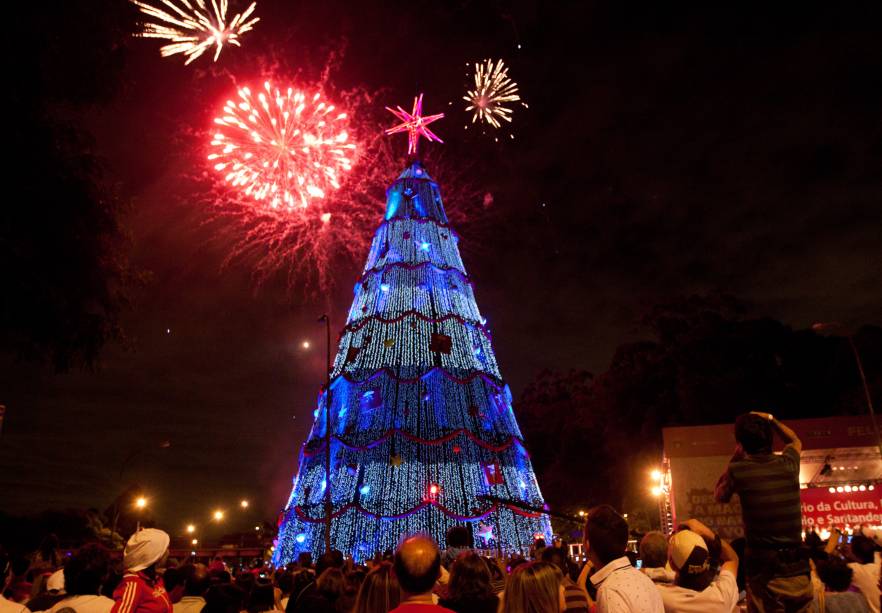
{"points": [[772, 569]]}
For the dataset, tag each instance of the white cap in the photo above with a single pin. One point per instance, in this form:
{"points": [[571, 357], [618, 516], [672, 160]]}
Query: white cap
{"points": [[145, 548]]}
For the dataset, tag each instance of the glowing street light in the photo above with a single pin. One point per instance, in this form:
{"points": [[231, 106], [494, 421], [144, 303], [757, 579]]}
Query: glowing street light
{"points": [[191, 528], [218, 515], [195, 541], [243, 504], [305, 344], [140, 502]]}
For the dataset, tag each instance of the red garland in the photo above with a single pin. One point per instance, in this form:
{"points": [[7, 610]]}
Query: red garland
{"points": [[423, 441], [359, 324], [301, 514]]}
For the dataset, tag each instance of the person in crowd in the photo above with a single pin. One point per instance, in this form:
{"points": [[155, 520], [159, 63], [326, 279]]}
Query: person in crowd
{"points": [[336, 590], [620, 587], [459, 541], [6, 605], [767, 484], [836, 595], [304, 560], [141, 589], [654, 557], [536, 548], [865, 570], [53, 592], [575, 597], [224, 598], [379, 592], [285, 583], [469, 589], [246, 581], [173, 581], [84, 574], [196, 583], [18, 587], [497, 575], [308, 599], [261, 599], [534, 587], [698, 588], [417, 565]]}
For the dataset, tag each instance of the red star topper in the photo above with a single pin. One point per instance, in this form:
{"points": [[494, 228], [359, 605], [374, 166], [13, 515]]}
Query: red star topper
{"points": [[414, 124]]}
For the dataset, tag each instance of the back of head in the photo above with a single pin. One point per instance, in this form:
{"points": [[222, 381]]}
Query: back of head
{"points": [[534, 586], [835, 574], [224, 598], [173, 577], [329, 559], [863, 548], [245, 581], [417, 564], [753, 433], [469, 578], [555, 556], [690, 557], [654, 550], [196, 580], [261, 598], [331, 583], [379, 592], [305, 559], [86, 570], [607, 533], [458, 536], [145, 548]]}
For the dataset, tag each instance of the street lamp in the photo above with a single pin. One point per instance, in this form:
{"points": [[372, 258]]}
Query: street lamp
{"points": [[838, 327], [191, 528], [140, 504], [244, 504], [218, 515]]}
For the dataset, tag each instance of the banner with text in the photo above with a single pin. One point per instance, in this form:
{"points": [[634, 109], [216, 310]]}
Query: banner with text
{"points": [[822, 508]]}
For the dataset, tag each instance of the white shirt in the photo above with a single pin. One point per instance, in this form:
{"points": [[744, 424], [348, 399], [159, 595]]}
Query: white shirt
{"points": [[189, 604], [85, 603], [865, 577], [621, 588], [10, 606], [721, 596]]}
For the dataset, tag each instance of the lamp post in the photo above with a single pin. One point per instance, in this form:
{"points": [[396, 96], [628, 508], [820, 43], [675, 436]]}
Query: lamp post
{"points": [[327, 321], [838, 327]]}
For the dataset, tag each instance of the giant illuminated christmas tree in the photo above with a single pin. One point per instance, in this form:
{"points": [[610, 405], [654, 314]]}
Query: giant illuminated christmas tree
{"points": [[423, 436]]}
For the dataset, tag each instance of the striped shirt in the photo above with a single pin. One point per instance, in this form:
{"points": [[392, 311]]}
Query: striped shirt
{"points": [[768, 486], [576, 598]]}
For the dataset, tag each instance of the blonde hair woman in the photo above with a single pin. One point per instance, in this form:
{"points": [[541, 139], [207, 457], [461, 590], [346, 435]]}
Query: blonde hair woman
{"points": [[534, 588]]}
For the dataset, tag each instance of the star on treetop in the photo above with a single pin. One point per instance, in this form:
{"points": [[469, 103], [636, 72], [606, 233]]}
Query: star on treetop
{"points": [[414, 124]]}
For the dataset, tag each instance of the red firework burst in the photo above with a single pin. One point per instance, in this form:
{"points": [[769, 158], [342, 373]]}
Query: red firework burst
{"points": [[285, 148]]}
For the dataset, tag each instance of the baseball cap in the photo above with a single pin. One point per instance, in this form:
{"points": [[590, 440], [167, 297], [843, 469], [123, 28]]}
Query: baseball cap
{"points": [[689, 553]]}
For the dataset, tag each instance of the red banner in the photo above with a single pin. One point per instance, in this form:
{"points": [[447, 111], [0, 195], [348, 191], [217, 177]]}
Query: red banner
{"points": [[822, 508]]}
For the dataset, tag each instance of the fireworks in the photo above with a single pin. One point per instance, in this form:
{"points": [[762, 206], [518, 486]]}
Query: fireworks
{"points": [[493, 90], [192, 26], [414, 124], [285, 148]]}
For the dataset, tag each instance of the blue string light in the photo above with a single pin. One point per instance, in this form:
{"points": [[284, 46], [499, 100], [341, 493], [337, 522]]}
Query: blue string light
{"points": [[414, 364]]}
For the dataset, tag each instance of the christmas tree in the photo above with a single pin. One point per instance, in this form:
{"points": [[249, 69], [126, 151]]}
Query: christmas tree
{"points": [[423, 435]]}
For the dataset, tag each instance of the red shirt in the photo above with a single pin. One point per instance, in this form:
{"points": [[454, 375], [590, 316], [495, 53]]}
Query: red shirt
{"points": [[138, 593]]}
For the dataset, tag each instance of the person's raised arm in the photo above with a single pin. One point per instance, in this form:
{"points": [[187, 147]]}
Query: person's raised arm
{"points": [[728, 557], [788, 435]]}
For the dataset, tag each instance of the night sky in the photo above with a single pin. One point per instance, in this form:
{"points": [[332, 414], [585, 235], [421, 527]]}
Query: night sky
{"points": [[666, 151]]}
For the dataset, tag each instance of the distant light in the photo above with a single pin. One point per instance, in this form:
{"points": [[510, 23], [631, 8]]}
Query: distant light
{"points": [[305, 344], [424, 246], [863, 488], [433, 490], [839, 489], [519, 45], [384, 287], [326, 217], [656, 490], [140, 502], [257, 527], [365, 490], [218, 515], [195, 541], [244, 504], [832, 490], [191, 528], [168, 330], [656, 475], [847, 488], [870, 487], [300, 538], [324, 484]]}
